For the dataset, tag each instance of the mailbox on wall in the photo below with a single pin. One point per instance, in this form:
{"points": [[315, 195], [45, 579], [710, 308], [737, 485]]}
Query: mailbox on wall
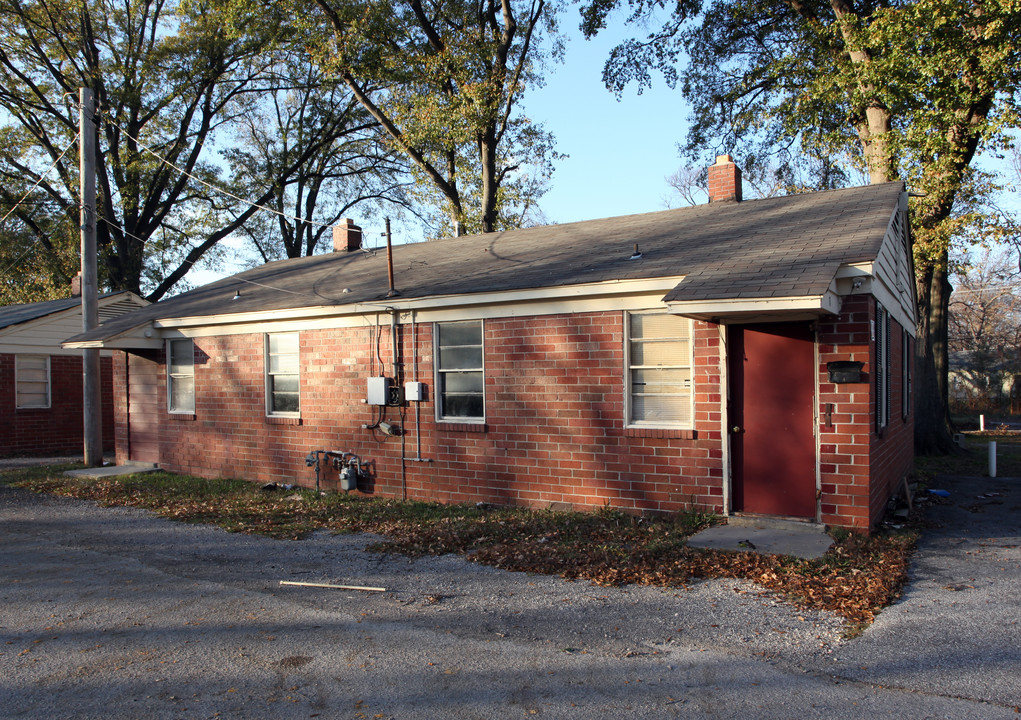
{"points": [[844, 371]]}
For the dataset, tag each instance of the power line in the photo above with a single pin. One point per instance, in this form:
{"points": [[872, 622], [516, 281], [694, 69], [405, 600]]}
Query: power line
{"points": [[36, 184], [210, 185], [184, 172], [31, 247]]}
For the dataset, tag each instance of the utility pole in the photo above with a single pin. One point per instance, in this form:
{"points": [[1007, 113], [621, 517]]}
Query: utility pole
{"points": [[91, 385]]}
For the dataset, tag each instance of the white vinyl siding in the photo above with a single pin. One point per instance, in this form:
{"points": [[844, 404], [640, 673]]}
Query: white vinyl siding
{"points": [[460, 375], [32, 381], [659, 371], [181, 376], [283, 380]]}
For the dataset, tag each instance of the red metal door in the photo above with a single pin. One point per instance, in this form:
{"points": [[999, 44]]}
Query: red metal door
{"points": [[772, 435]]}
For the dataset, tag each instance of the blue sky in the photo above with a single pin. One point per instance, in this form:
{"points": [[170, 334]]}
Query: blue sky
{"points": [[620, 152]]}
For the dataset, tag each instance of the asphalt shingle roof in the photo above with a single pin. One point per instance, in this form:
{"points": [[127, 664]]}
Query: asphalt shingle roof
{"points": [[775, 247], [17, 314]]}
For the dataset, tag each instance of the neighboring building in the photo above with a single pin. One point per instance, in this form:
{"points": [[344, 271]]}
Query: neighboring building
{"points": [[738, 357], [981, 383], [41, 382]]}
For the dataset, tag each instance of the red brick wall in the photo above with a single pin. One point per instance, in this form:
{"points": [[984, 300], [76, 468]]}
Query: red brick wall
{"points": [[845, 419], [859, 468], [554, 432], [555, 429], [58, 428], [892, 449]]}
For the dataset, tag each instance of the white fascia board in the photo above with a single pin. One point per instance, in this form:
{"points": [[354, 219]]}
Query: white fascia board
{"points": [[140, 337], [122, 342], [610, 288], [615, 294], [828, 303], [61, 351], [128, 342]]}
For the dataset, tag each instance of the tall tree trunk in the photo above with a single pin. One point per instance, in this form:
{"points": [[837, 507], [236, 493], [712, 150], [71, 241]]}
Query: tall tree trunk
{"points": [[933, 428], [490, 185]]}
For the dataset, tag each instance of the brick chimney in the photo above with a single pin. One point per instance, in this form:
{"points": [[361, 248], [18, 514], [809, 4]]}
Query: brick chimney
{"points": [[347, 237], [724, 180], [76, 285]]}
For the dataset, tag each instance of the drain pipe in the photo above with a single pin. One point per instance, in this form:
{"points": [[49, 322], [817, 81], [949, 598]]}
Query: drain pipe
{"points": [[418, 406], [393, 341]]}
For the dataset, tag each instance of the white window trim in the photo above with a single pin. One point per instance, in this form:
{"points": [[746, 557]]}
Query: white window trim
{"points": [[438, 372], [17, 381], [883, 368], [267, 375], [170, 379], [627, 378], [906, 365]]}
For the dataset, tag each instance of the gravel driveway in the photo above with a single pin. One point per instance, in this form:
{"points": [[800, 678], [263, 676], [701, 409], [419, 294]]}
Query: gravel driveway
{"points": [[113, 613]]}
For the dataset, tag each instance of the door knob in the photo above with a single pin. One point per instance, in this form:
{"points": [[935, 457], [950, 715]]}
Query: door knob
{"points": [[736, 429]]}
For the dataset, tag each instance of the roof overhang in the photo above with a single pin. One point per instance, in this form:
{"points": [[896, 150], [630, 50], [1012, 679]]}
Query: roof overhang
{"points": [[546, 300], [140, 337], [746, 310]]}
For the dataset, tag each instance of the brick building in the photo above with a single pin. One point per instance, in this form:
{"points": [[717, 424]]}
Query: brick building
{"points": [[41, 382], [741, 357]]}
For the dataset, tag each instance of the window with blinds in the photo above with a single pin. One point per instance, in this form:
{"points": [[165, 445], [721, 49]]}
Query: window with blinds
{"points": [[181, 376], [32, 381], [283, 379], [659, 371]]}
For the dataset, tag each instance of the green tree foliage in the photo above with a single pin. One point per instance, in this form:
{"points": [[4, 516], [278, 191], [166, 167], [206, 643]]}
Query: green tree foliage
{"points": [[444, 78], [173, 81], [163, 77], [899, 89], [37, 258]]}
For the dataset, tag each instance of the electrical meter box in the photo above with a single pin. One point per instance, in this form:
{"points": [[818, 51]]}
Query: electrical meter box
{"points": [[414, 391], [378, 392]]}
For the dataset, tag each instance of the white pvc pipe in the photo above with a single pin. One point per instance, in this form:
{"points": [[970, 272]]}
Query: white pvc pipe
{"points": [[992, 459], [982, 422]]}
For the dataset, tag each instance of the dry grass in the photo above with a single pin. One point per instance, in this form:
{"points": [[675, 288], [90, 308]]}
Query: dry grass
{"points": [[973, 459]]}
